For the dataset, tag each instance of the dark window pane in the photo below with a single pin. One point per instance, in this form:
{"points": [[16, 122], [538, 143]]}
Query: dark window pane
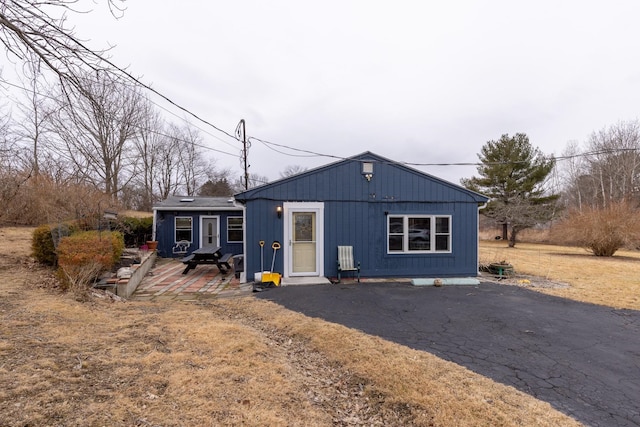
{"points": [[419, 234], [442, 225], [442, 242], [183, 235], [420, 223], [395, 243], [419, 245], [396, 225], [183, 222], [235, 222], [235, 236]]}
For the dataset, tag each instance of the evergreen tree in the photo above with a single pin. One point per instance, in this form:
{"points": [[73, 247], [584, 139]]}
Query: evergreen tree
{"points": [[513, 174], [216, 188]]}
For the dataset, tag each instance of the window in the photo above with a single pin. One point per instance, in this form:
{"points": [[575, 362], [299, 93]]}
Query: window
{"points": [[418, 233], [184, 228], [235, 229]]}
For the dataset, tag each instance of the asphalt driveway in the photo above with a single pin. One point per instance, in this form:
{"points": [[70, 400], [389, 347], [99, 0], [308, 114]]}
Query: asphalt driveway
{"points": [[583, 359]]}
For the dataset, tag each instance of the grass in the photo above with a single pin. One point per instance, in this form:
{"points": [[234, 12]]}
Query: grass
{"points": [[611, 281], [241, 361]]}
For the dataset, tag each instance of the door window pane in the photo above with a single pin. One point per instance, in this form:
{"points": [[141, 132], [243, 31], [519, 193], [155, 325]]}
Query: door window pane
{"points": [[303, 228]]}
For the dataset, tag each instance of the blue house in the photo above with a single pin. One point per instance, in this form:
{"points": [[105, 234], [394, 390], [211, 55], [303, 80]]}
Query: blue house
{"points": [[400, 222], [199, 222]]}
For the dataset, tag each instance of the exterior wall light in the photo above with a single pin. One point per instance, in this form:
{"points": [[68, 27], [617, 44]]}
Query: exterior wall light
{"points": [[367, 170], [279, 211]]}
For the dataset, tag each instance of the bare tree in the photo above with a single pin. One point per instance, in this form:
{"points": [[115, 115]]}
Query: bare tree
{"points": [[614, 162], [292, 170], [97, 127], [193, 169], [34, 122], [150, 142], [165, 176], [573, 174], [38, 29], [255, 180]]}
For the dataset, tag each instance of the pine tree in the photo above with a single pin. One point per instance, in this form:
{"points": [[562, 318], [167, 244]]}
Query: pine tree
{"points": [[513, 174]]}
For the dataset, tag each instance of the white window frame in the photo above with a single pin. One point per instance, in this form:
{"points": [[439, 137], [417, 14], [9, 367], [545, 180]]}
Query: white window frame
{"points": [[432, 234], [175, 228], [235, 229]]}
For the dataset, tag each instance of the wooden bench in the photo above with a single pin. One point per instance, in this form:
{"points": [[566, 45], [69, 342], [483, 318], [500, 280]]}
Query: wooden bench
{"points": [[208, 256], [224, 262]]}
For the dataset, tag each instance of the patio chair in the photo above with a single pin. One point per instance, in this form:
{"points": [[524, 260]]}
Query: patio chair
{"points": [[181, 248], [345, 261]]}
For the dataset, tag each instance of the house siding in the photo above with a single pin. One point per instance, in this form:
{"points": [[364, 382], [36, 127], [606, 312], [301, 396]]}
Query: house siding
{"points": [[165, 233], [355, 212]]}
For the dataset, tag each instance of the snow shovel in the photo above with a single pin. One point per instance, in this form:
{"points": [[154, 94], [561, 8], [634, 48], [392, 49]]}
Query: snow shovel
{"points": [[271, 276], [260, 287], [261, 243]]}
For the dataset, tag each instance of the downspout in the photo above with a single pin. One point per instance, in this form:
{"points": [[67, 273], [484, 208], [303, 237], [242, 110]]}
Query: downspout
{"points": [[480, 207], [243, 275], [153, 230]]}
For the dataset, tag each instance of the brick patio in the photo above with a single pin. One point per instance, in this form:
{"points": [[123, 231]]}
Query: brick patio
{"points": [[165, 281]]}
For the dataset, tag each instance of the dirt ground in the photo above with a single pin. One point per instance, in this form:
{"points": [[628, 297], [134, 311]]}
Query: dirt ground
{"points": [[68, 361]]}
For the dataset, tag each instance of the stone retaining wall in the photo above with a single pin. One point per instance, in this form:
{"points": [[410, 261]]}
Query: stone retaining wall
{"points": [[127, 285]]}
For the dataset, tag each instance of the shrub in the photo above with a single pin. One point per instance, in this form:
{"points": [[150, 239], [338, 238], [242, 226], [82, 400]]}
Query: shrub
{"points": [[136, 231], [46, 238], [602, 231], [82, 257], [28, 199]]}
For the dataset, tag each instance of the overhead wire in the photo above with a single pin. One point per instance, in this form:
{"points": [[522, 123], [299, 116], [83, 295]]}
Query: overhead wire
{"points": [[303, 152], [309, 153], [147, 129], [272, 145]]}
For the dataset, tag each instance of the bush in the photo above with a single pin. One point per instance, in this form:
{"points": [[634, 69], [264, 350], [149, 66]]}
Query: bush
{"points": [[46, 238], [136, 231], [602, 231], [82, 257], [29, 199]]}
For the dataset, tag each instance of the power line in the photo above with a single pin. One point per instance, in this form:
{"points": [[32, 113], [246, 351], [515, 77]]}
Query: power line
{"points": [[139, 127], [310, 153], [306, 153]]}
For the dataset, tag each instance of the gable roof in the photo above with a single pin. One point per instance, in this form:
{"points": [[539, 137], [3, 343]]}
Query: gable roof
{"points": [[196, 203], [366, 156]]}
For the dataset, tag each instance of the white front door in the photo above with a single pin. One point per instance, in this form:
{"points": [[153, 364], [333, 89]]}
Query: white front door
{"points": [[209, 231], [304, 233]]}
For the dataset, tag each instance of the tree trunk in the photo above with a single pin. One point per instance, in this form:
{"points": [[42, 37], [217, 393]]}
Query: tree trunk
{"points": [[505, 231], [512, 239]]}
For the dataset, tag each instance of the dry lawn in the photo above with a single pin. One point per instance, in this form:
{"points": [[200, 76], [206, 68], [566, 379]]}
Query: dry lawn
{"points": [[225, 362], [613, 281]]}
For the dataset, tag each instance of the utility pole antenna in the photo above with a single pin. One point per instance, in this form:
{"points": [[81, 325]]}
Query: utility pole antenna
{"points": [[242, 136]]}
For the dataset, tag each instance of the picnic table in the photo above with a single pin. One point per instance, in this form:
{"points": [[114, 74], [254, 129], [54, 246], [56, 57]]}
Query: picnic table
{"points": [[207, 255]]}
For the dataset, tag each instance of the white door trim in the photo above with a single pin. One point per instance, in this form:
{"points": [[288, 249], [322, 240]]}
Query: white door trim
{"points": [[288, 208], [202, 218]]}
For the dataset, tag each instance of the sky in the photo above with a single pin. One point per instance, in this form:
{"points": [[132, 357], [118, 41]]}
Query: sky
{"points": [[421, 82]]}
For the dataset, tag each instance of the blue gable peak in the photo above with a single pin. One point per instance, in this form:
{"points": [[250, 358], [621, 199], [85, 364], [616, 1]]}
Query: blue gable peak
{"points": [[365, 157]]}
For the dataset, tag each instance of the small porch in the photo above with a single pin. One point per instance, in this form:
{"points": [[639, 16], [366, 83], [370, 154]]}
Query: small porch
{"points": [[166, 282]]}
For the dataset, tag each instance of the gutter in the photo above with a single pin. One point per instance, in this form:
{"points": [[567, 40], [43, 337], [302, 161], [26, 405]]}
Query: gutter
{"points": [[480, 207]]}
